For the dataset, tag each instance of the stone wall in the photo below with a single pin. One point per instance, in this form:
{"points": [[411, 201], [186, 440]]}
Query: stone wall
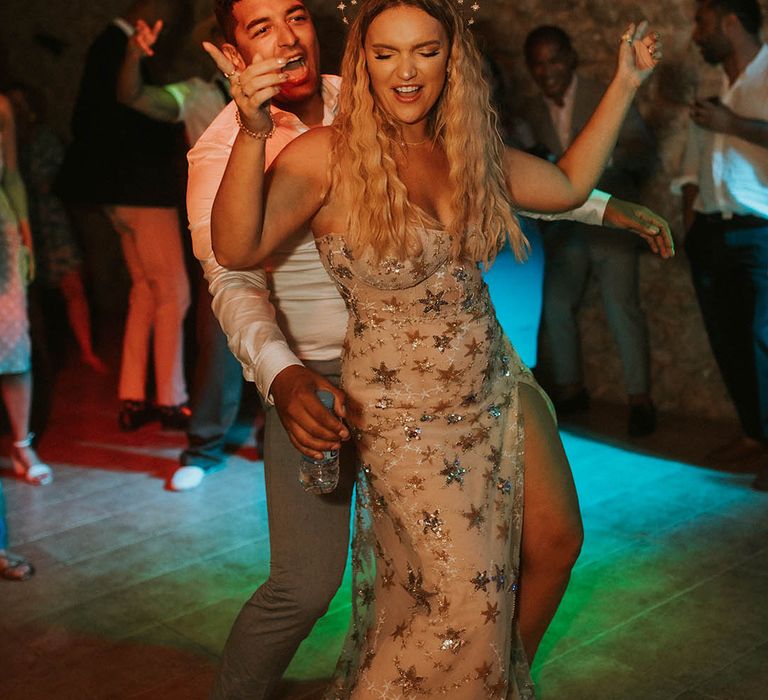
{"points": [[685, 377]]}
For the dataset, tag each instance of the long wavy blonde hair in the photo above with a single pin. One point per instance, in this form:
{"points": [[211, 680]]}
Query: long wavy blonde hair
{"points": [[364, 172]]}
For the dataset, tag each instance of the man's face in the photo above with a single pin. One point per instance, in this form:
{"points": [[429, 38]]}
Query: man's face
{"points": [[709, 36], [280, 29], [551, 67]]}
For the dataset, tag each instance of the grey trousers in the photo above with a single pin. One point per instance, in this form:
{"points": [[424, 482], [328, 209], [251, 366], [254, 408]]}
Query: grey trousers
{"points": [[309, 541], [572, 250]]}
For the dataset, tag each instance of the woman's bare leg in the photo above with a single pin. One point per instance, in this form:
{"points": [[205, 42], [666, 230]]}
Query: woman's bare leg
{"points": [[552, 529], [79, 315]]}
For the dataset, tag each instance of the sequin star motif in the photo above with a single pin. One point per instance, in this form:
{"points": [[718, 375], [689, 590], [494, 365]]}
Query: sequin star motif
{"points": [[453, 472], [450, 375], [400, 631], [500, 578], [443, 606], [432, 523], [473, 348], [366, 594], [467, 442], [453, 327], [490, 613], [415, 338], [504, 486], [475, 517], [442, 342], [481, 581], [415, 483], [412, 433], [392, 306], [383, 375], [415, 588], [451, 640], [408, 680], [433, 302], [503, 531], [460, 274], [423, 366]]}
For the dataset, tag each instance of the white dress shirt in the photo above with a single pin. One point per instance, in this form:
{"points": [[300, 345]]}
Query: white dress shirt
{"points": [[731, 173], [303, 318], [562, 117], [199, 101]]}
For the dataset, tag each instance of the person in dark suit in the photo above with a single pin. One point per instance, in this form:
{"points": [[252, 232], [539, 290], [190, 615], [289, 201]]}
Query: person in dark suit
{"points": [[566, 102], [132, 166]]}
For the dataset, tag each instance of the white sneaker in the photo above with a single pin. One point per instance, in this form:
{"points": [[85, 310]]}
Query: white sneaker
{"points": [[186, 478]]}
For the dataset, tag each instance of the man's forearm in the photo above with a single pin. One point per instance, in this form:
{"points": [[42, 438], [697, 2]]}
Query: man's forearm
{"points": [[151, 100], [752, 130]]}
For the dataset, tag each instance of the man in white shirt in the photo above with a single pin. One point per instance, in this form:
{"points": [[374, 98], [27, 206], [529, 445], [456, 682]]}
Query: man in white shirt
{"points": [[724, 183], [286, 325]]}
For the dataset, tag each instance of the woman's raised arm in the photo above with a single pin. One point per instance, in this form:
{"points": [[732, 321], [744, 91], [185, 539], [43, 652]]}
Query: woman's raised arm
{"points": [[537, 185], [253, 212]]}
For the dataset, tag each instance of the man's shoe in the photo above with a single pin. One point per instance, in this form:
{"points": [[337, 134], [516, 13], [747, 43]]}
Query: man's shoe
{"points": [[186, 478], [575, 403], [642, 419], [134, 414], [761, 480], [175, 417]]}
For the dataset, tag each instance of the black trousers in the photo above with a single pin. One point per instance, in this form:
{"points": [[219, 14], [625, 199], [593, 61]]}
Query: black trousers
{"points": [[729, 266]]}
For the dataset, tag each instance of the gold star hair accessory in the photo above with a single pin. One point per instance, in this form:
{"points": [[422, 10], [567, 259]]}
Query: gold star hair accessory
{"points": [[474, 7]]}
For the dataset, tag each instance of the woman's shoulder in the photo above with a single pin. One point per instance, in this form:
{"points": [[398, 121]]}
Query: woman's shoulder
{"points": [[307, 150]]}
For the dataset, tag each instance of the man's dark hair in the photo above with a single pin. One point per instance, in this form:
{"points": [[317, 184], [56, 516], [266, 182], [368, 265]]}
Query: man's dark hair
{"points": [[223, 11], [747, 11], [547, 34]]}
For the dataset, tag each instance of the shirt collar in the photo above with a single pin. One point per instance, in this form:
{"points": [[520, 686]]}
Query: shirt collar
{"points": [[125, 26], [329, 89], [570, 91]]}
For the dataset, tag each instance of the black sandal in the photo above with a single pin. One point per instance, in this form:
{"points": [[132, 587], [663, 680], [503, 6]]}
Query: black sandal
{"points": [[14, 567]]}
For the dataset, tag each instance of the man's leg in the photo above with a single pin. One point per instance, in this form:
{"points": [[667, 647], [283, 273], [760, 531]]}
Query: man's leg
{"points": [[751, 248], [566, 269], [615, 263], [216, 390], [723, 289], [309, 541]]}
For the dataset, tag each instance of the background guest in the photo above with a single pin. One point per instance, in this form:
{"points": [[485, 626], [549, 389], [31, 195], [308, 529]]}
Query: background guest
{"points": [[572, 250]]}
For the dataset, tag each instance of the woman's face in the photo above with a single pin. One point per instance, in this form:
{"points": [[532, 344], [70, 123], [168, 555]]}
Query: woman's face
{"points": [[406, 51]]}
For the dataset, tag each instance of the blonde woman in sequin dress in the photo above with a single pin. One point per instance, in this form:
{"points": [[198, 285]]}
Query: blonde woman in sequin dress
{"points": [[469, 515]]}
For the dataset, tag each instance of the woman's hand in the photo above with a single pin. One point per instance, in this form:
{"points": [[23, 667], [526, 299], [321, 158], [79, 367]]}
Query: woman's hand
{"points": [[252, 87], [639, 53]]}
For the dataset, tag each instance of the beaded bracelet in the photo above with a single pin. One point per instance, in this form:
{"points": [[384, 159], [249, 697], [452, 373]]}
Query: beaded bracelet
{"points": [[254, 134]]}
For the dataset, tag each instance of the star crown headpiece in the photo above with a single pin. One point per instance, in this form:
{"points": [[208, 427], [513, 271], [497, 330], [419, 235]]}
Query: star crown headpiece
{"points": [[342, 7]]}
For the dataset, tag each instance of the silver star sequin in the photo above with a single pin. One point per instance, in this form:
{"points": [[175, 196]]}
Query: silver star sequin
{"points": [[451, 640], [453, 472], [481, 581], [431, 522]]}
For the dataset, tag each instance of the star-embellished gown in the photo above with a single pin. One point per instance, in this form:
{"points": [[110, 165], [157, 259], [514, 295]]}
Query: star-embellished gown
{"points": [[432, 388]]}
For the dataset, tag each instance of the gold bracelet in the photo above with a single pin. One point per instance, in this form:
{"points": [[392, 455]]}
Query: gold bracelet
{"points": [[264, 135]]}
